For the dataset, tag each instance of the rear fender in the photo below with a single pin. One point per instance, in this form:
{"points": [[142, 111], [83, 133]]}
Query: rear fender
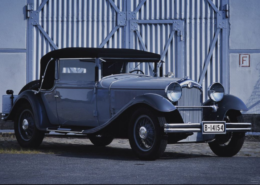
{"points": [[41, 119], [229, 102]]}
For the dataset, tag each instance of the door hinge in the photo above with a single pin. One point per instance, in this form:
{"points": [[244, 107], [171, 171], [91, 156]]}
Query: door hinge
{"points": [[29, 8], [222, 21], [226, 9]]}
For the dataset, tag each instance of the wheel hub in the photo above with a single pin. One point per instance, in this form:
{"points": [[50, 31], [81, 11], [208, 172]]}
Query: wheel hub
{"points": [[25, 124], [143, 132]]}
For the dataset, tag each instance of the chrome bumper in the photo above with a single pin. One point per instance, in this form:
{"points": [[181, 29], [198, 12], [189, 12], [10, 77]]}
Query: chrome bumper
{"points": [[197, 127]]}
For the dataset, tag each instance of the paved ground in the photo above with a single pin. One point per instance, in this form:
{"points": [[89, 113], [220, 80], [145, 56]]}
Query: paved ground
{"points": [[55, 145], [62, 160], [99, 168]]}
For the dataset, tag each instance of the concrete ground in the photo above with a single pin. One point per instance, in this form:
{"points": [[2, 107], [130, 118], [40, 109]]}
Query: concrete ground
{"points": [[77, 161], [56, 145]]}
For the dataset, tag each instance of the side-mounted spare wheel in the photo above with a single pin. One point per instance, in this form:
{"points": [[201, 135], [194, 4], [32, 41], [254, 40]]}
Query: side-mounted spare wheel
{"points": [[26, 132], [146, 136], [229, 144]]}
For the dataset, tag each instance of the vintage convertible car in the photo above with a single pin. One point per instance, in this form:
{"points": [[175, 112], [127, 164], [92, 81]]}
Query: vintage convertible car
{"points": [[90, 91]]}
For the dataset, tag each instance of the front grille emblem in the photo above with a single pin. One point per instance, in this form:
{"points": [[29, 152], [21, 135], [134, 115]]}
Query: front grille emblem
{"points": [[190, 85]]}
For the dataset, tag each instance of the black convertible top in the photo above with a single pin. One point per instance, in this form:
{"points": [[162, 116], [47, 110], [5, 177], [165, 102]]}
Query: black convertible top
{"points": [[104, 53]]}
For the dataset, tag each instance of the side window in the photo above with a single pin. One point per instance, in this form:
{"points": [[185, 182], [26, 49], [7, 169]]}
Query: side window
{"points": [[77, 70], [49, 76]]}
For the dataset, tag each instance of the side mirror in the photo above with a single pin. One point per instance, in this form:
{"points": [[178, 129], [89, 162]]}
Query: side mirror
{"points": [[10, 92]]}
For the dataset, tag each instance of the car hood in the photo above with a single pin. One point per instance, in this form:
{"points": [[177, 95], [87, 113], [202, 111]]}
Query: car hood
{"points": [[131, 81]]}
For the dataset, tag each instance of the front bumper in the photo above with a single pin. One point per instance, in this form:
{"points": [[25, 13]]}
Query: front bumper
{"points": [[197, 127]]}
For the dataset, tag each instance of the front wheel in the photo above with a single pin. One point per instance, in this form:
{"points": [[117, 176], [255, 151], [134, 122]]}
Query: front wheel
{"points": [[26, 133], [229, 144], [146, 136]]}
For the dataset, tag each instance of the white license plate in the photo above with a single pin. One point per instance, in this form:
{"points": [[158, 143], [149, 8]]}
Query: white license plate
{"points": [[214, 128]]}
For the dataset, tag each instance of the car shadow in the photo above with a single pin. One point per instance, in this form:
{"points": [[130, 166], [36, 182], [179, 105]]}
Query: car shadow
{"points": [[123, 152], [108, 152]]}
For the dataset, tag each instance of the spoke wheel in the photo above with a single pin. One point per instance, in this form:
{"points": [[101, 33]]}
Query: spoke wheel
{"points": [[26, 125], [229, 144], [144, 133], [146, 136], [26, 132]]}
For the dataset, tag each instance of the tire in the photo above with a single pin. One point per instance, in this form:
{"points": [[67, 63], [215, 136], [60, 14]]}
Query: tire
{"points": [[26, 133], [100, 140], [146, 136], [33, 85], [229, 144]]}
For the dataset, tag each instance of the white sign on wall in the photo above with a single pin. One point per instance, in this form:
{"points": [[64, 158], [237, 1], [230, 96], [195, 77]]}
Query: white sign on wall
{"points": [[244, 60]]}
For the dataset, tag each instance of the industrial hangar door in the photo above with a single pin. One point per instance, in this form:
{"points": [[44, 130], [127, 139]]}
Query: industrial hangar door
{"points": [[191, 36]]}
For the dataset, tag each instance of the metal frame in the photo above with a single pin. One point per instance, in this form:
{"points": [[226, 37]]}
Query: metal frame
{"points": [[222, 26], [177, 27], [126, 19]]}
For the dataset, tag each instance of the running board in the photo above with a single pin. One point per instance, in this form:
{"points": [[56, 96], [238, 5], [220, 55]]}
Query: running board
{"points": [[64, 130]]}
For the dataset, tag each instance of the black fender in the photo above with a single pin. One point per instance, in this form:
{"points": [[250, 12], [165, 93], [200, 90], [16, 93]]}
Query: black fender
{"points": [[155, 101], [41, 119], [229, 102], [152, 100]]}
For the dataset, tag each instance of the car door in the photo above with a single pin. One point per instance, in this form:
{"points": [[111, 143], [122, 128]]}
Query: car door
{"points": [[75, 93]]}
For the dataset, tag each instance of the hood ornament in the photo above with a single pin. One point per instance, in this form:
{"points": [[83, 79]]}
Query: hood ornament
{"points": [[190, 85]]}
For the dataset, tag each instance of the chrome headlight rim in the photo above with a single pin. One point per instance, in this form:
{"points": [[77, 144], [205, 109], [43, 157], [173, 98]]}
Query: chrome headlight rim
{"points": [[168, 93], [210, 92]]}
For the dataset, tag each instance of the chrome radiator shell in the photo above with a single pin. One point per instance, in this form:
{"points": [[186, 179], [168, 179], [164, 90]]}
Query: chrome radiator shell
{"points": [[191, 97]]}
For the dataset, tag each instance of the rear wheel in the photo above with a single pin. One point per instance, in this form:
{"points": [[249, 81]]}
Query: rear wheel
{"points": [[26, 132], [229, 144], [100, 140], [146, 136]]}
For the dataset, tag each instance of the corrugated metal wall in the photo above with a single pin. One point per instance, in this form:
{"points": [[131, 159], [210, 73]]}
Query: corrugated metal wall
{"points": [[86, 23], [200, 26], [75, 23]]}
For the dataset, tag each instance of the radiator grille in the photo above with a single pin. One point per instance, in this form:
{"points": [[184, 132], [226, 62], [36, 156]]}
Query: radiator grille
{"points": [[191, 97]]}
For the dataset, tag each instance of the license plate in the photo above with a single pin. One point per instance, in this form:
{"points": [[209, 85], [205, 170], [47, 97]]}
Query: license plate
{"points": [[213, 128]]}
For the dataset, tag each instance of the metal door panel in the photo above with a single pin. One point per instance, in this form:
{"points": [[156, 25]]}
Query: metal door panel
{"points": [[76, 105], [50, 106]]}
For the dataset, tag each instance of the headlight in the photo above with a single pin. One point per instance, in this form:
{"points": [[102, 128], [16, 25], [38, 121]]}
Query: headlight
{"points": [[216, 92], [173, 91]]}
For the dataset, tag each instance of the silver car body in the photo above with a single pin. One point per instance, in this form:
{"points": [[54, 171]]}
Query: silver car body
{"points": [[94, 105]]}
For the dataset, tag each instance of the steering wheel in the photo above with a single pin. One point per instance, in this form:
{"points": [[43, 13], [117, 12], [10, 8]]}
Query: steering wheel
{"points": [[137, 70]]}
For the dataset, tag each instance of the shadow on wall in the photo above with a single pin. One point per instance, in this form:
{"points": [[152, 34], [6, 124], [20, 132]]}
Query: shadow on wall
{"points": [[253, 103]]}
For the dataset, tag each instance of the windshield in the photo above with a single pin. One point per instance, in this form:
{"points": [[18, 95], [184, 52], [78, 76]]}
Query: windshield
{"points": [[110, 68], [118, 67]]}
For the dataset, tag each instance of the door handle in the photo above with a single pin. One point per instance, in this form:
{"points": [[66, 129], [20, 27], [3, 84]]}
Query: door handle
{"points": [[56, 96]]}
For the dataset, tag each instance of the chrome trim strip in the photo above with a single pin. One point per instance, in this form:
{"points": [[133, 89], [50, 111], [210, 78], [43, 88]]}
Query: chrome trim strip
{"points": [[39, 90], [189, 84], [197, 127], [182, 125], [239, 124], [181, 130], [237, 129], [64, 131], [195, 106], [214, 107]]}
